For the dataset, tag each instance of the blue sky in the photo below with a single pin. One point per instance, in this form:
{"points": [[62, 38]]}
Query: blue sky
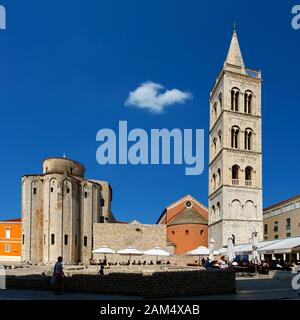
{"points": [[67, 68]]}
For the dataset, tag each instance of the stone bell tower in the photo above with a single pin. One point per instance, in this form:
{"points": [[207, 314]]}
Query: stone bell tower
{"points": [[235, 155]]}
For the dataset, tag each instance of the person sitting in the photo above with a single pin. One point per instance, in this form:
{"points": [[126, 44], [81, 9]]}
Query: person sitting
{"points": [[278, 266], [144, 263], [139, 263], [133, 263], [223, 263], [151, 262], [168, 262], [264, 267], [207, 264], [215, 264]]}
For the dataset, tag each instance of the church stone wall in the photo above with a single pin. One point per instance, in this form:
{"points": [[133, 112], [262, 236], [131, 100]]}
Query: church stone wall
{"points": [[118, 236]]}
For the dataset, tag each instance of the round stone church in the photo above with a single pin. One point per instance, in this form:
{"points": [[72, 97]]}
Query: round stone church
{"points": [[59, 209]]}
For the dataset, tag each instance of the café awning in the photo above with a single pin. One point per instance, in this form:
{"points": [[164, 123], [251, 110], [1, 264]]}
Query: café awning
{"points": [[286, 245]]}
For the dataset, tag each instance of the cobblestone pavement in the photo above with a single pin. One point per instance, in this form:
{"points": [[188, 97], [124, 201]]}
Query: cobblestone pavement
{"points": [[247, 289], [256, 289], [12, 294]]}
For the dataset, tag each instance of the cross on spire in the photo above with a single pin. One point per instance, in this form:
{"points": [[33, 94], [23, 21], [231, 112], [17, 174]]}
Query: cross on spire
{"points": [[234, 55], [234, 26]]}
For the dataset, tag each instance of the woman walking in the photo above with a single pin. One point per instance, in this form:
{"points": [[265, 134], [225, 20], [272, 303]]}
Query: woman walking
{"points": [[58, 273]]}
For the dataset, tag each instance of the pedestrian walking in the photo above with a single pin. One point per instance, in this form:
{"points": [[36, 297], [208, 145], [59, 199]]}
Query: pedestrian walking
{"points": [[58, 274]]}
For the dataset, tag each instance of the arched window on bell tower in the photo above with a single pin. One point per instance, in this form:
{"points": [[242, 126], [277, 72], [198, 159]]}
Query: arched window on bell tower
{"points": [[215, 110], [235, 93], [248, 97], [248, 139], [235, 137], [213, 212], [215, 145], [219, 177], [214, 181], [220, 101], [248, 176], [218, 210], [235, 174]]}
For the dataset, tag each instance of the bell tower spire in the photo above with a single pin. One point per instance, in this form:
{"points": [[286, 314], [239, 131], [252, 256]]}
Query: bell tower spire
{"points": [[234, 55]]}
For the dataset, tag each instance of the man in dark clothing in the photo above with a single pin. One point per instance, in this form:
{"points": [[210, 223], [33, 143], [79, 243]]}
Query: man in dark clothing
{"points": [[101, 271]]}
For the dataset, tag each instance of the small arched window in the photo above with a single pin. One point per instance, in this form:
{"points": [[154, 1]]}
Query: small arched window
{"points": [[220, 136], [220, 101], [66, 238], [23, 239], [85, 241], [173, 233], [248, 139], [52, 239], [186, 232], [213, 208], [215, 109], [215, 144], [235, 93], [214, 181], [219, 176], [248, 102], [201, 232], [235, 137], [218, 208], [235, 174], [71, 170]]}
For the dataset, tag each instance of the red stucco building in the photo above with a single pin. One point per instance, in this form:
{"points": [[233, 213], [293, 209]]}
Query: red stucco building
{"points": [[187, 224]]}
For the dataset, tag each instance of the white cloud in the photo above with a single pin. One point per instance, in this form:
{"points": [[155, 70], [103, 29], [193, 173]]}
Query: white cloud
{"points": [[148, 96]]}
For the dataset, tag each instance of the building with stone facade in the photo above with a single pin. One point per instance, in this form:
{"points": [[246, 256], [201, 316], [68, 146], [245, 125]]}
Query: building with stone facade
{"points": [[59, 210], [235, 155], [186, 221], [282, 220]]}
